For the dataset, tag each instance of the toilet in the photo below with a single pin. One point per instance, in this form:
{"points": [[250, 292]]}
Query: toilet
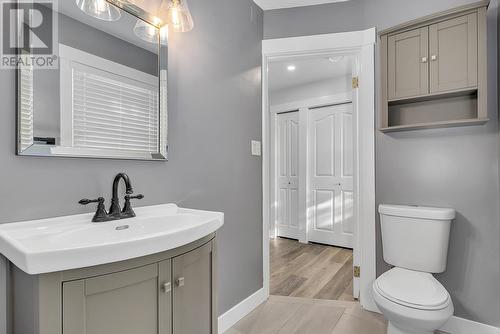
{"points": [[415, 241]]}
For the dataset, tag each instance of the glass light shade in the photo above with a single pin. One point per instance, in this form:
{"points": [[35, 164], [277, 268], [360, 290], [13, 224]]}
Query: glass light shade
{"points": [[177, 14], [149, 33], [100, 9]]}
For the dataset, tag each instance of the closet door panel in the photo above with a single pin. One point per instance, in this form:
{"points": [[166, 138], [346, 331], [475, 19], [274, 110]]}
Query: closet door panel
{"points": [[330, 175], [288, 175]]}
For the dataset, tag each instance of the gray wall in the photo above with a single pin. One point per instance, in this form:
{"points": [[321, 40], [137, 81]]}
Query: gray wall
{"points": [[444, 167], [214, 113]]}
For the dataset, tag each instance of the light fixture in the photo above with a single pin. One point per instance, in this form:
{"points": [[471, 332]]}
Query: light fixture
{"points": [[149, 32], [100, 9], [177, 14], [335, 59], [291, 68]]}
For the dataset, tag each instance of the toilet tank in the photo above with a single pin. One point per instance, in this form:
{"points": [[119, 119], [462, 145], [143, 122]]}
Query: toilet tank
{"points": [[416, 237]]}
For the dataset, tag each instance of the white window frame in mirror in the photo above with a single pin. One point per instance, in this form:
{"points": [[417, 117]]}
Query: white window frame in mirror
{"points": [[25, 112], [71, 59]]}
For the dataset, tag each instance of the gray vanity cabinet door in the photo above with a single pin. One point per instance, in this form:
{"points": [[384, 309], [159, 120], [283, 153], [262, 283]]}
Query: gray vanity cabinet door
{"points": [[192, 292], [454, 54], [408, 64], [126, 302]]}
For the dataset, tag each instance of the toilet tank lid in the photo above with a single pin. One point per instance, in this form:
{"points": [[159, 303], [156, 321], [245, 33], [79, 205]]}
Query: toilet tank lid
{"points": [[421, 212]]}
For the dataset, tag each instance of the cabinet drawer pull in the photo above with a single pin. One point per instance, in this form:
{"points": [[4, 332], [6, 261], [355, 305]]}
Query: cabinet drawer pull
{"points": [[166, 287], [179, 282], [424, 59], [434, 57]]}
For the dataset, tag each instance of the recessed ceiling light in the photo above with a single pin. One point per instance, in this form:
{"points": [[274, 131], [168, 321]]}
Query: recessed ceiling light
{"points": [[335, 59], [291, 68]]}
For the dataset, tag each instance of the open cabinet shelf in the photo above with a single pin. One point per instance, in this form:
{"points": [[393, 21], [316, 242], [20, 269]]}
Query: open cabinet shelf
{"points": [[434, 125]]}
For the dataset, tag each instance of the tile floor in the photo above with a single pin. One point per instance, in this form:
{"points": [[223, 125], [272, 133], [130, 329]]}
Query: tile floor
{"points": [[293, 315]]}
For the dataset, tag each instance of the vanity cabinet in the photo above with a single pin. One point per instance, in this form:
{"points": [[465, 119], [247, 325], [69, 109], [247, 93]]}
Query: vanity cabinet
{"points": [[192, 292], [128, 302], [165, 293], [434, 71]]}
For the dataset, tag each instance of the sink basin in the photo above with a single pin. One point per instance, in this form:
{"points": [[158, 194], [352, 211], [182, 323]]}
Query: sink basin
{"points": [[62, 243]]}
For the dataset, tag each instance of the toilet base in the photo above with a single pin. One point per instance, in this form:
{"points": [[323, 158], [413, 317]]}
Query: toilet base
{"points": [[391, 329]]}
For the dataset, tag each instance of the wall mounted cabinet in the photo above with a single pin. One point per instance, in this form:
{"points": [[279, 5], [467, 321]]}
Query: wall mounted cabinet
{"points": [[167, 293], [434, 71]]}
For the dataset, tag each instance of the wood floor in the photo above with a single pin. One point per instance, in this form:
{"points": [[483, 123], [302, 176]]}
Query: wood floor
{"points": [[291, 315], [310, 270]]}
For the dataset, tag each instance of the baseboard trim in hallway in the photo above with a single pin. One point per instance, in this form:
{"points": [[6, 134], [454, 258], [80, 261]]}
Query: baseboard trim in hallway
{"points": [[241, 310]]}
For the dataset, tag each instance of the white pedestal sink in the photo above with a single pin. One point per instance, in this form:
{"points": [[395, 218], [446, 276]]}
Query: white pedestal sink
{"points": [[63, 243]]}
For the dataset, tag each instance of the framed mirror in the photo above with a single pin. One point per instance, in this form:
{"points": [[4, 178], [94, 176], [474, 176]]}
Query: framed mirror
{"points": [[107, 96]]}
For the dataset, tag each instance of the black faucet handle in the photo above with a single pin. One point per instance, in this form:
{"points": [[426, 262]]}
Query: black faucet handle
{"points": [[86, 201], [127, 208], [140, 196], [100, 215]]}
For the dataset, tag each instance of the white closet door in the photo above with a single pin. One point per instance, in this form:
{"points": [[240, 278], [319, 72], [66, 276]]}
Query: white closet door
{"points": [[288, 175], [331, 175]]}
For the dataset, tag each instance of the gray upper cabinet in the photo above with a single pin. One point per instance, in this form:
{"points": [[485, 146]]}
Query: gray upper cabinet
{"points": [[453, 54], [434, 71], [408, 69], [193, 303]]}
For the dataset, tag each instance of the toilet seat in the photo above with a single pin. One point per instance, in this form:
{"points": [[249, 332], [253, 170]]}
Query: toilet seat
{"points": [[413, 289]]}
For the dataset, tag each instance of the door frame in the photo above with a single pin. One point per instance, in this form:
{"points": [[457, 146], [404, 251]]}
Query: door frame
{"points": [[362, 44]]}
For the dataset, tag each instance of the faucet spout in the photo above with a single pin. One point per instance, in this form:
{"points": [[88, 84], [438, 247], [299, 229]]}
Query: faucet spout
{"points": [[115, 209]]}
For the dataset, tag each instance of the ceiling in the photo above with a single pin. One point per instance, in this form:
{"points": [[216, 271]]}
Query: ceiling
{"points": [[275, 4], [307, 71]]}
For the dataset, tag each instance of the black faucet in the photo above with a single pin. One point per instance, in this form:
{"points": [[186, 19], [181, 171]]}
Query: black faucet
{"points": [[115, 209], [115, 212]]}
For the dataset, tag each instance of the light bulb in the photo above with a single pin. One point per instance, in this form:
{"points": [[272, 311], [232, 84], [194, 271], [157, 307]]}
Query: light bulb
{"points": [[99, 9], [177, 14], [101, 6], [149, 32]]}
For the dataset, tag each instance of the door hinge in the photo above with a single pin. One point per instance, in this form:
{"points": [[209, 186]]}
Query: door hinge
{"points": [[357, 271], [355, 82]]}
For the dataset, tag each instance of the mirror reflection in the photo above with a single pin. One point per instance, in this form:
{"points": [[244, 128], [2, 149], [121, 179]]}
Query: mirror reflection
{"points": [[107, 98]]}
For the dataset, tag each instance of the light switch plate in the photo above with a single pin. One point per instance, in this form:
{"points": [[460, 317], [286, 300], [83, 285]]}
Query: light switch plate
{"points": [[256, 148]]}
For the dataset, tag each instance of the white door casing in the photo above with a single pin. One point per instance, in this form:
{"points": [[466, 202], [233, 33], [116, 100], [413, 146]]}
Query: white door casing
{"points": [[287, 155], [330, 175]]}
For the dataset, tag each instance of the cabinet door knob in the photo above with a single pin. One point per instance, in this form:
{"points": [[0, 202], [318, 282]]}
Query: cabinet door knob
{"points": [[434, 57], [179, 282], [166, 287], [424, 59]]}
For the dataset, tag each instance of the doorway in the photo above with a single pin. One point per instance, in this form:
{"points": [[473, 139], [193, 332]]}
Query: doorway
{"points": [[312, 135], [318, 165]]}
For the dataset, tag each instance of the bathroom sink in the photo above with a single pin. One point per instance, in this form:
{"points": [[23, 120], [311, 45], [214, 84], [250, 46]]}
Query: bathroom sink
{"points": [[62, 243]]}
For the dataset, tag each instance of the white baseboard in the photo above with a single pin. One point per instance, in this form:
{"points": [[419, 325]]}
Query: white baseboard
{"points": [[458, 325], [238, 312]]}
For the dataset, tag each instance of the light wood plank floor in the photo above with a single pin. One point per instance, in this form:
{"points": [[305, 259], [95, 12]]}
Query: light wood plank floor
{"points": [[292, 315], [310, 270]]}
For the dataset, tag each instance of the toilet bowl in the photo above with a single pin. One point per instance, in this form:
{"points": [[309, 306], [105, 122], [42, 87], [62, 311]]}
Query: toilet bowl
{"points": [[413, 302], [415, 241]]}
